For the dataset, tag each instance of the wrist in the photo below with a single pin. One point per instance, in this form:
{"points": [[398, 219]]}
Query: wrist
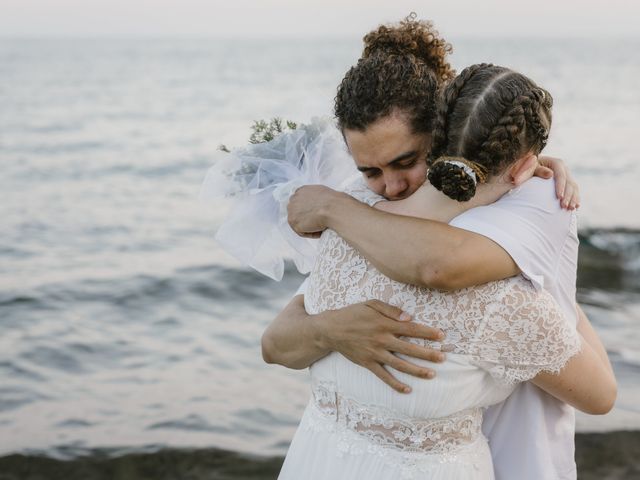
{"points": [[322, 327], [335, 205]]}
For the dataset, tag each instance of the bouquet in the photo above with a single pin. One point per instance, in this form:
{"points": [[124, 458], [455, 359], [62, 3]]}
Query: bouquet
{"points": [[260, 178]]}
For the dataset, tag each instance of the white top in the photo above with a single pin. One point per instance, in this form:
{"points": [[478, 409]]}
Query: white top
{"points": [[500, 334], [542, 239], [531, 434]]}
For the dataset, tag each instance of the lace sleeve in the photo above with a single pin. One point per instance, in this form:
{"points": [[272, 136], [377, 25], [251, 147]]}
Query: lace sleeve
{"points": [[533, 337]]}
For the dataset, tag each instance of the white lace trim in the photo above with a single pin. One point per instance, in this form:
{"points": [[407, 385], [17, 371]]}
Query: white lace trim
{"points": [[388, 428], [410, 445]]}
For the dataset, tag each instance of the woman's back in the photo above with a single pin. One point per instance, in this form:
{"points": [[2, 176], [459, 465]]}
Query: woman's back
{"points": [[498, 335]]}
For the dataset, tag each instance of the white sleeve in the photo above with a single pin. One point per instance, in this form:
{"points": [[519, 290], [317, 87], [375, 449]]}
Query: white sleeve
{"points": [[527, 334], [529, 224], [302, 290]]}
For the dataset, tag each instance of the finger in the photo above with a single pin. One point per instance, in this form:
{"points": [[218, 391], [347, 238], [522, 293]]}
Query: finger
{"points": [[567, 197], [561, 183], [404, 366], [417, 351], [311, 235], [291, 219], [387, 310], [573, 199], [576, 199], [543, 172], [559, 172], [382, 373], [417, 330]]}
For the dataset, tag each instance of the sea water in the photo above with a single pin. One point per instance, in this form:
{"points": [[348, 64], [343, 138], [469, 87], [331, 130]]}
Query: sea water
{"points": [[122, 324]]}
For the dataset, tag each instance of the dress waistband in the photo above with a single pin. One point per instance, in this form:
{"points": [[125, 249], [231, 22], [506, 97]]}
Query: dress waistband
{"points": [[388, 428]]}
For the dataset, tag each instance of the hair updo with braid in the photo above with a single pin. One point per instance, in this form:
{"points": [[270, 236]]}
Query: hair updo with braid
{"points": [[400, 71], [487, 118]]}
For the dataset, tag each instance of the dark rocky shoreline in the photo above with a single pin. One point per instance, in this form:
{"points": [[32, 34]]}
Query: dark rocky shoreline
{"points": [[608, 456], [602, 456]]}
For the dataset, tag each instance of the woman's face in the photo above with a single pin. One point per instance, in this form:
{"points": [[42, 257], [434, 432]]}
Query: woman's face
{"points": [[391, 157]]}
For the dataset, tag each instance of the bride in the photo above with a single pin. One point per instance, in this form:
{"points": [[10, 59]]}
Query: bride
{"points": [[498, 334]]}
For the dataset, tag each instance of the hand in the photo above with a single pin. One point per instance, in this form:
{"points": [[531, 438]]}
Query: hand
{"points": [[306, 209], [367, 334], [567, 189]]}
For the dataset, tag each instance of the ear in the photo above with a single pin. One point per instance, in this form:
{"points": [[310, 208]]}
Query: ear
{"points": [[523, 169]]}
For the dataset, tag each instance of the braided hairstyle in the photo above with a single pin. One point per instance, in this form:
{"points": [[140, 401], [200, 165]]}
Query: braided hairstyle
{"points": [[401, 68], [487, 118]]}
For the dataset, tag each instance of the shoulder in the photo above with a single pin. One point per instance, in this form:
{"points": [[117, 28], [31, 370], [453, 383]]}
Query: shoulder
{"points": [[527, 304], [531, 207], [514, 307], [512, 294], [535, 192], [533, 315], [530, 225], [359, 190], [524, 333]]}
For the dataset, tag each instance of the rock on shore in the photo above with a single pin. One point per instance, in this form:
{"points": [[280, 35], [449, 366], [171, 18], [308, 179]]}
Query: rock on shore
{"points": [[601, 456]]}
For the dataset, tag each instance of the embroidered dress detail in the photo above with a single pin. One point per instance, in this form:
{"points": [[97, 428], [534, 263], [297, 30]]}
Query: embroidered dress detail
{"points": [[386, 428]]}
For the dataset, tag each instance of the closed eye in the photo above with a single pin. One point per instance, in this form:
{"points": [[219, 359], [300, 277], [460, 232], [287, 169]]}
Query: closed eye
{"points": [[407, 164], [407, 160]]}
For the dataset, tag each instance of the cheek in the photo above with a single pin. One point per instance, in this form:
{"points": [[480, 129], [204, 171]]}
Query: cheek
{"points": [[375, 184], [418, 174]]}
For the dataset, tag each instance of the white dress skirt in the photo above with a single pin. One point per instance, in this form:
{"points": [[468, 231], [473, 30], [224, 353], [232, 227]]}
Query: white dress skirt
{"points": [[357, 427]]}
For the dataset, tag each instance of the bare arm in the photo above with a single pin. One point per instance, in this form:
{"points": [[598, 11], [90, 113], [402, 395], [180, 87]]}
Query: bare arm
{"points": [[407, 249], [293, 339], [365, 333], [418, 251], [590, 335], [412, 250], [587, 382]]}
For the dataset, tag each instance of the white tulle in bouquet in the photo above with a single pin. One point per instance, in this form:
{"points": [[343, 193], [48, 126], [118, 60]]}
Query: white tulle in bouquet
{"points": [[261, 177]]}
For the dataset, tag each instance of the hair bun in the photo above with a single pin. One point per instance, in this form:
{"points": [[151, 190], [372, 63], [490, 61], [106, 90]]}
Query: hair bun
{"points": [[452, 180], [412, 37]]}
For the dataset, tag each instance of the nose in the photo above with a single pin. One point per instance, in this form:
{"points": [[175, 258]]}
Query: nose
{"points": [[395, 186]]}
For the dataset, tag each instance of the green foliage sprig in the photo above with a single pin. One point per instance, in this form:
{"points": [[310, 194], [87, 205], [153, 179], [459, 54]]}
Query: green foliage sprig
{"points": [[263, 131]]}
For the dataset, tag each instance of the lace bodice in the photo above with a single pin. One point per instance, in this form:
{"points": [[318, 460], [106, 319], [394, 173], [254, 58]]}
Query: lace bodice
{"points": [[501, 333], [391, 429], [507, 327]]}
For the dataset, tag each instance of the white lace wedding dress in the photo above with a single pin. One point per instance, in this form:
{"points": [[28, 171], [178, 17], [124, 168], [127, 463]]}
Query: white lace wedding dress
{"points": [[357, 427]]}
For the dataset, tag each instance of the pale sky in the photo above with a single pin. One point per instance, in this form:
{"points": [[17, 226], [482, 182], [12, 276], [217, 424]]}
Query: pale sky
{"points": [[327, 18]]}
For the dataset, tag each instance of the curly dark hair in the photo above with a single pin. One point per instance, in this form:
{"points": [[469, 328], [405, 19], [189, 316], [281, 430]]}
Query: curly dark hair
{"points": [[401, 69], [488, 117]]}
